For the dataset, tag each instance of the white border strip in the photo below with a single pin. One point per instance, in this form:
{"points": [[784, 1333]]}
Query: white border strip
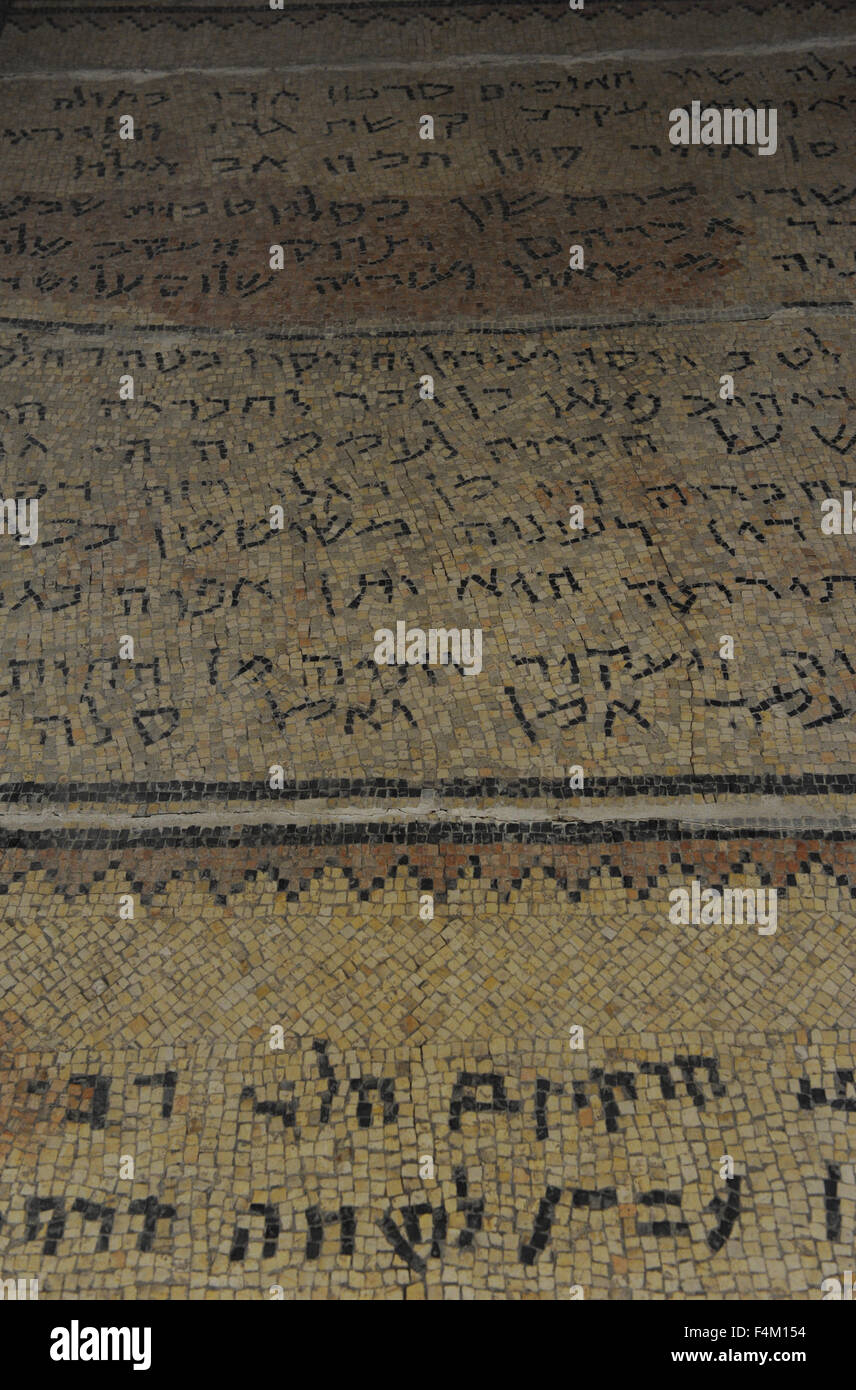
{"points": [[754, 812], [464, 60]]}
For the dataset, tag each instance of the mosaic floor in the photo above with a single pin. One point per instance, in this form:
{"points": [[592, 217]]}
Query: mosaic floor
{"points": [[427, 859]]}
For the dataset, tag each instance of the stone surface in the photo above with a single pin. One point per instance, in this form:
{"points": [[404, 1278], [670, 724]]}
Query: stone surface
{"points": [[328, 979], [600, 643], [379, 226]]}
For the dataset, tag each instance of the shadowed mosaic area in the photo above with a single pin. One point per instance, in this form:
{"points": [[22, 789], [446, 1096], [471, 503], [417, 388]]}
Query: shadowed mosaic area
{"points": [[176, 226], [43, 35], [326, 976]]}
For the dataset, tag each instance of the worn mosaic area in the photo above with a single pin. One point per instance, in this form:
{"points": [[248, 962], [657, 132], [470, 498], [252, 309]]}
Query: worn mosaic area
{"points": [[527, 974], [551, 1169], [177, 226], [287, 1133], [311, 937], [600, 632], [49, 33]]}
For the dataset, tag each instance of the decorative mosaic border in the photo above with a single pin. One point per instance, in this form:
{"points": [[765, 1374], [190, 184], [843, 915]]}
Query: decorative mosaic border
{"points": [[183, 837], [383, 790]]}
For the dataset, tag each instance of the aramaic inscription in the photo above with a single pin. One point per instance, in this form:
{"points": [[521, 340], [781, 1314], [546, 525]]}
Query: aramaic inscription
{"points": [[525, 504], [577, 1198], [365, 212]]}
